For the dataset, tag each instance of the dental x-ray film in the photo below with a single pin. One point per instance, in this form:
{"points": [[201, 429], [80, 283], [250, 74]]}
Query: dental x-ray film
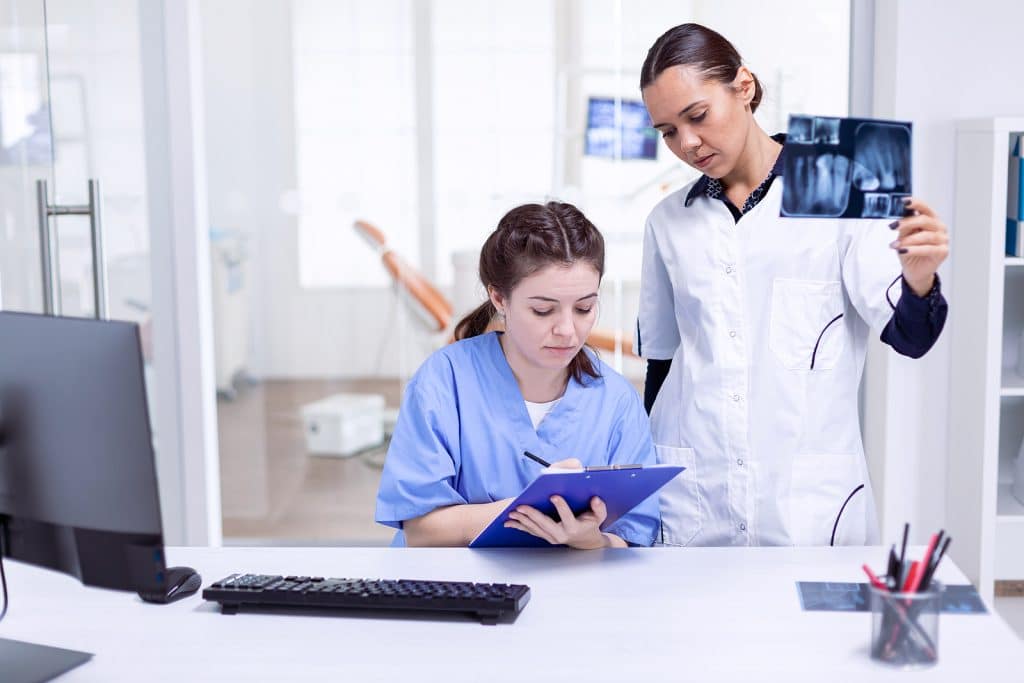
{"points": [[845, 168]]}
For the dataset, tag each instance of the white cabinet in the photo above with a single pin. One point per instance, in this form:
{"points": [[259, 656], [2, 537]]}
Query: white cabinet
{"points": [[986, 418]]}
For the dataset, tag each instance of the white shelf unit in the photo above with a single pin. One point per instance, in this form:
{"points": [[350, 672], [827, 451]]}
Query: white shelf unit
{"points": [[986, 422]]}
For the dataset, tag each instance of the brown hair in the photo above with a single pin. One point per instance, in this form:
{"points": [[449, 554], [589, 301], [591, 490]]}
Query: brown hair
{"points": [[527, 239], [709, 52]]}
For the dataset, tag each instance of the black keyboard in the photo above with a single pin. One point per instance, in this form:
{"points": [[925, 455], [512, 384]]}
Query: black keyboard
{"points": [[488, 602]]}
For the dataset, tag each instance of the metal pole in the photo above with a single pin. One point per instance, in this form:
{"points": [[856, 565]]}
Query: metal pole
{"points": [[47, 252], [99, 266]]}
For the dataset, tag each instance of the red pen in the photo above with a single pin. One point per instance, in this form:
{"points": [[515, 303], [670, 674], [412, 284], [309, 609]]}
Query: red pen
{"points": [[915, 576], [875, 581]]}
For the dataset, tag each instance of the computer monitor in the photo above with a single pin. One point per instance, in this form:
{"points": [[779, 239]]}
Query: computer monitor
{"points": [[78, 488], [632, 138]]}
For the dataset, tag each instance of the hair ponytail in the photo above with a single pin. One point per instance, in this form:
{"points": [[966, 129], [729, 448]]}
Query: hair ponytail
{"points": [[476, 323], [758, 93]]}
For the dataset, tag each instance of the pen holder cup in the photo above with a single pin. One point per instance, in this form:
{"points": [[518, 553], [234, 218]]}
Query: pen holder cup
{"points": [[905, 626]]}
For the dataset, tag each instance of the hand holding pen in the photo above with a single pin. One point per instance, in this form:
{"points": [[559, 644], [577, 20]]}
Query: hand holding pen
{"points": [[575, 464], [567, 464]]}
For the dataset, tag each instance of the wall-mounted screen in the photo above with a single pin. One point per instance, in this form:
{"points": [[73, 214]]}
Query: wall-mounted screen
{"points": [[635, 138]]}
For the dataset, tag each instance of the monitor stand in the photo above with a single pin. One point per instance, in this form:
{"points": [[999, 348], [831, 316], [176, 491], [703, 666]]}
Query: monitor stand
{"points": [[28, 662]]}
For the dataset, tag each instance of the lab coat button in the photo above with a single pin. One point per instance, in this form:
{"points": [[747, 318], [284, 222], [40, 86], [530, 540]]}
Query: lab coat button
{"points": [[739, 461], [729, 269], [743, 527], [736, 397], [732, 333]]}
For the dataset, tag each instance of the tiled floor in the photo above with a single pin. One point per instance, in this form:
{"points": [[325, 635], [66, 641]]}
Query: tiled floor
{"points": [[273, 491]]}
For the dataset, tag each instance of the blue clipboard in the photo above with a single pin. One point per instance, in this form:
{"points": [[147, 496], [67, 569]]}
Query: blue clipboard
{"points": [[621, 487]]}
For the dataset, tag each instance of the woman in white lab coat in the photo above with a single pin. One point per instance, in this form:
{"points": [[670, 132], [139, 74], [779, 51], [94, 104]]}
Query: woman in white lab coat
{"points": [[755, 327]]}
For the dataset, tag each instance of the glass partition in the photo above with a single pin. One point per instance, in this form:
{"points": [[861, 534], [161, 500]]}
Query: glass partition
{"points": [[355, 145]]}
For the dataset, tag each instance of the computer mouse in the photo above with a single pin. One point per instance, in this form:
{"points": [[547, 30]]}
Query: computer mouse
{"points": [[181, 583]]}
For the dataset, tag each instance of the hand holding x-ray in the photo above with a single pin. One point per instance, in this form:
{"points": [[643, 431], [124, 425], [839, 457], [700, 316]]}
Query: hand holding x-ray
{"points": [[860, 168], [922, 243]]}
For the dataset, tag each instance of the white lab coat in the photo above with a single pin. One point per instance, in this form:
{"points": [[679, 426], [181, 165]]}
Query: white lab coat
{"points": [[772, 447]]}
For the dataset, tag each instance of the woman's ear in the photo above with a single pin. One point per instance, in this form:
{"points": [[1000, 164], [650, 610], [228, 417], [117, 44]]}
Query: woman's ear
{"points": [[744, 85], [497, 299]]}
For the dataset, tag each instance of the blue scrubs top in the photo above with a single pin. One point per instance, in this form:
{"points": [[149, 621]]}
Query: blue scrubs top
{"points": [[463, 427]]}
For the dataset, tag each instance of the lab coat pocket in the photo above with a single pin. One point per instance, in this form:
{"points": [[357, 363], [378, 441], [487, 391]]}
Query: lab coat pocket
{"points": [[827, 500], [806, 330], [681, 514]]}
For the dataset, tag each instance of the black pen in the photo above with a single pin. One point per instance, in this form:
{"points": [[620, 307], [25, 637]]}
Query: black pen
{"points": [[929, 562], [903, 568], [892, 571], [534, 458], [930, 571]]}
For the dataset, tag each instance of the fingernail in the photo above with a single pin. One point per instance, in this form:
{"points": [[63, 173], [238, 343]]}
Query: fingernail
{"points": [[894, 244], [903, 251], [906, 201], [894, 225]]}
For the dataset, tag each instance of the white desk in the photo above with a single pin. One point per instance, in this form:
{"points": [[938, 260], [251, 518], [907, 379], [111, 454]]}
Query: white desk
{"points": [[621, 615]]}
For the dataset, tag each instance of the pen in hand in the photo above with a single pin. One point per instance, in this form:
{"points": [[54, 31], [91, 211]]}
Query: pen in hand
{"points": [[536, 459]]}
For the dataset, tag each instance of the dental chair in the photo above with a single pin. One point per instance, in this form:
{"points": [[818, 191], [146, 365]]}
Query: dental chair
{"points": [[431, 306]]}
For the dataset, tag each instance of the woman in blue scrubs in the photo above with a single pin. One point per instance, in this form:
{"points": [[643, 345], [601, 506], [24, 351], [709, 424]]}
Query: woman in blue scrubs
{"points": [[472, 409]]}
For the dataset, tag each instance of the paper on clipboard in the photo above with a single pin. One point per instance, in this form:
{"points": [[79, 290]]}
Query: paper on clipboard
{"points": [[621, 487]]}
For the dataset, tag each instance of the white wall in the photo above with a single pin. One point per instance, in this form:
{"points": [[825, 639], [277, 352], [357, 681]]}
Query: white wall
{"points": [[251, 134], [936, 61]]}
